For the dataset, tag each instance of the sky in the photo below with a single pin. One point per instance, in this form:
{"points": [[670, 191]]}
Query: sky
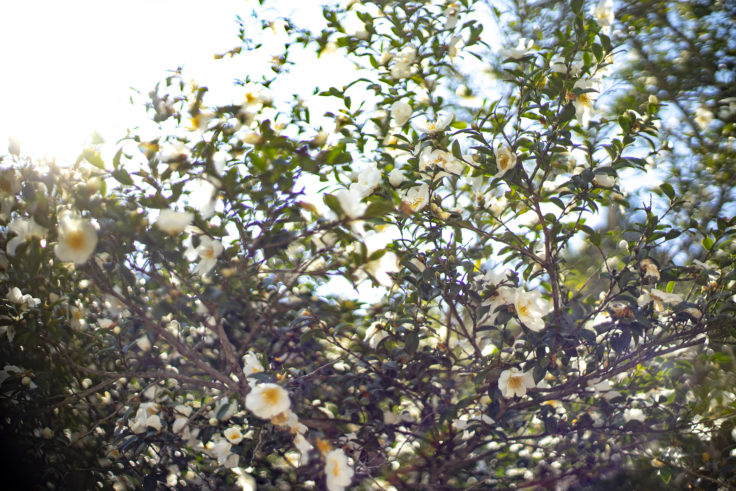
{"points": [[68, 66]]}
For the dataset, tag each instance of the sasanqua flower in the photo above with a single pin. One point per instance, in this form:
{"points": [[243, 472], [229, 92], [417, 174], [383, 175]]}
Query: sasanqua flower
{"points": [[400, 112], [505, 160], [77, 239], [531, 308], [267, 400], [513, 382], [417, 197], [422, 125], [173, 222], [25, 230], [585, 101], [338, 471]]}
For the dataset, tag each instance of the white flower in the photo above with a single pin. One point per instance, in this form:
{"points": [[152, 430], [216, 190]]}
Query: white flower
{"points": [[402, 63], [145, 417], [143, 343], [25, 231], [658, 297], [24, 301], [531, 307], [604, 180], [603, 15], [77, 239], [439, 158], [505, 160], [220, 449], [374, 335], [650, 269], [267, 400], [514, 382], [233, 435], [558, 65], [369, 177], [173, 222], [584, 102], [338, 471], [634, 414], [703, 117], [493, 278], [175, 152], [520, 51], [303, 445], [208, 251], [452, 13], [400, 112], [219, 159], [416, 197], [422, 125], [396, 177], [251, 364], [350, 202], [454, 45]]}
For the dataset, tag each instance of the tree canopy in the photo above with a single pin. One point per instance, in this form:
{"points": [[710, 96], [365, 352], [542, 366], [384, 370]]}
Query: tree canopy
{"points": [[502, 256]]}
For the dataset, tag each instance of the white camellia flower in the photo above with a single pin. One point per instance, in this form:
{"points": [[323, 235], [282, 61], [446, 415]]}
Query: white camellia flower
{"points": [[350, 202], [251, 364], [520, 51], [369, 177], [531, 307], [24, 301], [452, 12], [603, 15], [77, 239], [396, 177], [220, 449], [584, 102], [659, 298], [439, 158], [338, 471], [25, 230], [505, 160], [146, 417], [401, 67], [400, 112], [304, 447], [233, 435], [634, 414], [703, 117], [650, 269], [174, 222], [208, 251], [604, 180], [422, 125], [267, 400], [374, 335], [513, 382], [558, 65], [417, 197]]}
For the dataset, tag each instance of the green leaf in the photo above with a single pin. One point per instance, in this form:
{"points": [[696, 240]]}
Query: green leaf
{"points": [[576, 6], [707, 243], [667, 189], [91, 156], [122, 176], [412, 342], [378, 209]]}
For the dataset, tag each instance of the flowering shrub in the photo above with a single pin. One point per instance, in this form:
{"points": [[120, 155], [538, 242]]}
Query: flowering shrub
{"points": [[407, 294]]}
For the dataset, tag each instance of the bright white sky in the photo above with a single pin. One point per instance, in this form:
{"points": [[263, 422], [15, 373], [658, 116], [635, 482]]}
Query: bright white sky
{"points": [[68, 66]]}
